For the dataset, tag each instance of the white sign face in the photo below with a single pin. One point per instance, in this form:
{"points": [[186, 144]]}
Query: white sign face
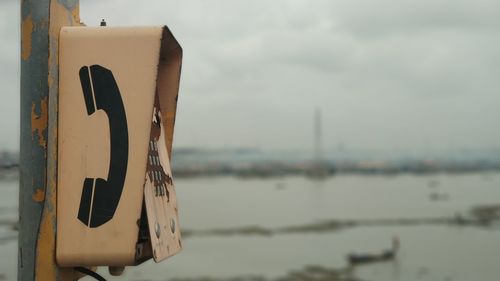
{"points": [[159, 194], [110, 80]]}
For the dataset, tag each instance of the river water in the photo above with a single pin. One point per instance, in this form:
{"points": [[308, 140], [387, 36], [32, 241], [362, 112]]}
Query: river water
{"points": [[427, 252]]}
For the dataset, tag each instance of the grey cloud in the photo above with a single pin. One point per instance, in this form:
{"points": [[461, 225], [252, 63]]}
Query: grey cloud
{"points": [[385, 17], [388, 73]]}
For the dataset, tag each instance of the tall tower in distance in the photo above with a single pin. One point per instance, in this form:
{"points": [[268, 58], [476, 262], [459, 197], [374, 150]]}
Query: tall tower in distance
{"points": [[318, 135], [319, 169]]}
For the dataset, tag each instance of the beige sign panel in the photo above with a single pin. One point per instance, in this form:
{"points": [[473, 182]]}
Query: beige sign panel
{"points": [[116, 202]]}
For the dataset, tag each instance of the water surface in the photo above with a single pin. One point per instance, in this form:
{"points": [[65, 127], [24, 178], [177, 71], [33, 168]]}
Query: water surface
{"points": [[428, 252]]}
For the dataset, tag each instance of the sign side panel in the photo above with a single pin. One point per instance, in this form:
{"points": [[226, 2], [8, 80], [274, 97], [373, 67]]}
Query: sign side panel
{"points": [[169, 73]]}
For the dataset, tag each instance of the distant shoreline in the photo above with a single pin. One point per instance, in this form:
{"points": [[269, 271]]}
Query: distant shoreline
{"points": [[311, 170], [265, 169]]}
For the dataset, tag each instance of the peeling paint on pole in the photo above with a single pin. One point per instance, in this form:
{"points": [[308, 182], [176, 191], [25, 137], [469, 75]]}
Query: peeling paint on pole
{"points": [[27, 29], [38, 154], [39, 122], [32, 155]]}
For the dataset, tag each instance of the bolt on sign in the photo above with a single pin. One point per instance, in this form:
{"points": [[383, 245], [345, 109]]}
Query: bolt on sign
{"points": [[116, 202]]}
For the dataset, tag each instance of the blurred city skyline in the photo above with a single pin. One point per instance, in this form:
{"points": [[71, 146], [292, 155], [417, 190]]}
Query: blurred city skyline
{"points": [[388, 75]]}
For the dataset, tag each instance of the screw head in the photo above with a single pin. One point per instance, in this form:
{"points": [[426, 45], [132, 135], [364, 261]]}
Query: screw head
{"points": [[157, 229], [172, 225]]}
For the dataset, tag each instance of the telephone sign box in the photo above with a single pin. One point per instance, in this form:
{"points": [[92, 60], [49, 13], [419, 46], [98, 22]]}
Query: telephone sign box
{"points": [[116, 202]]}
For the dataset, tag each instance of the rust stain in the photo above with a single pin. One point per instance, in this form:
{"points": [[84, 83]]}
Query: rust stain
{"points": [[39, 195], [39, 121], [76, 14], [46, 244], [50, 81], [170, 114], [26, 32]]}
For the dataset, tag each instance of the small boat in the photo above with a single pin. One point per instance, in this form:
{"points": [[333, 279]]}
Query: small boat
{"points": [[435, 196], [370, 258], [390, 254]]}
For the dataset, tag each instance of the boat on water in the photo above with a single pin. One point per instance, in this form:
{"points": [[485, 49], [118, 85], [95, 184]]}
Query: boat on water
{"points": [[365, 258]]}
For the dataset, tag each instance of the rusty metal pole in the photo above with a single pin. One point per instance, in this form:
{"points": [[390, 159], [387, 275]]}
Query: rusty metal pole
{"points": [[41, 21]]}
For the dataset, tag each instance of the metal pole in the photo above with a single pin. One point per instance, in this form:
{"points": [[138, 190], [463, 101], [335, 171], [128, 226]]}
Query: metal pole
{"points": [[41, 21]]}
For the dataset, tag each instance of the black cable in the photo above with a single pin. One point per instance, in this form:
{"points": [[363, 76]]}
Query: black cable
{"points": [[90, 273]]}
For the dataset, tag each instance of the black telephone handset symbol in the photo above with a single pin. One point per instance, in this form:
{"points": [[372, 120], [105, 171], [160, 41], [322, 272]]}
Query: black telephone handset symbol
{"points": [[100, 197]]}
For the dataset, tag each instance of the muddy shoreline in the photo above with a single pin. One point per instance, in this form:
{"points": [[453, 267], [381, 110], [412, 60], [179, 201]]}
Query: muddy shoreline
{"points": [[484, 216]]}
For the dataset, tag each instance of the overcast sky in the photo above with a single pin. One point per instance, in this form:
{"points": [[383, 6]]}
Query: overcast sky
{"points": [[387, 74]]}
